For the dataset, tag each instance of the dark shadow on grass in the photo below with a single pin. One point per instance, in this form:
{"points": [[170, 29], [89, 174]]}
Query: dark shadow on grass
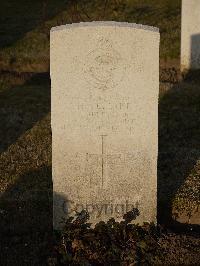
{"points": [[26, 219], [22, 106], [179, 145], [19, 17], [24, 203], [193, 76]]}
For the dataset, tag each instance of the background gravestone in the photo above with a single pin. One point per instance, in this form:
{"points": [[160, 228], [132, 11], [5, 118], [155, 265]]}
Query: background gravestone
{"points": [[105, 82], [190, 35]]}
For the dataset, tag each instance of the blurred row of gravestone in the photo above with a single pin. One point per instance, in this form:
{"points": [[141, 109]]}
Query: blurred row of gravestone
{"points": [[190, 35], [105, 86]]}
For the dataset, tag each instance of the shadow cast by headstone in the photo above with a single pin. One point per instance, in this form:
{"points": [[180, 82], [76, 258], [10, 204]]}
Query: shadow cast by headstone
{"points": [[65, 209], [16, 21], [192, 76], [22, 106], [26, 219], [27, 204], [179, 145]]}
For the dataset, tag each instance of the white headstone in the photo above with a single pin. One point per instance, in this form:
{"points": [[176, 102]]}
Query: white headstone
{"points": [[190, 35], [105, 82]]}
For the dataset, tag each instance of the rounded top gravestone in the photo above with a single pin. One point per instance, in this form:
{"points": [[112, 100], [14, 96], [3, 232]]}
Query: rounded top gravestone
{"points": [[105, 81]]}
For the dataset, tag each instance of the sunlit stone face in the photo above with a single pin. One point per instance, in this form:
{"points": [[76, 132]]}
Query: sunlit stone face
{"points": [[103, 65], [105, 81]]}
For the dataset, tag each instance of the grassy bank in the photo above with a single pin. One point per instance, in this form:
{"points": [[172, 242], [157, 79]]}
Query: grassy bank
{"points": [[25, 26]]}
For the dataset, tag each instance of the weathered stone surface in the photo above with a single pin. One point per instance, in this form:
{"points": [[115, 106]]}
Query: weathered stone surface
{"points": [[190, 35], [105, 82]]}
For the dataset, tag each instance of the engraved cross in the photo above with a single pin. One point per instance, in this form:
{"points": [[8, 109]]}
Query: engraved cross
{"points": [[102, 157]]}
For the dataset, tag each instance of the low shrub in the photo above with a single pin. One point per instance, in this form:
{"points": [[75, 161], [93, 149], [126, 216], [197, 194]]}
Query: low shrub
{"points": [[108, 243]]}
